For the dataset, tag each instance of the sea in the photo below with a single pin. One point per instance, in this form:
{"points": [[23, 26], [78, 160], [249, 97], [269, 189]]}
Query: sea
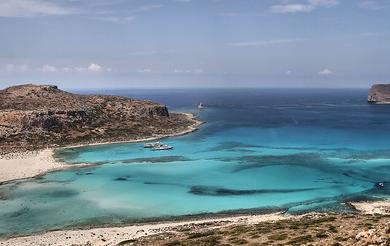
{"points": [[258, 151]]}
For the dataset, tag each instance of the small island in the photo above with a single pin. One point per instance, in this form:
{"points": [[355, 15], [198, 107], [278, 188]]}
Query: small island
{"points": [[379, 94]]}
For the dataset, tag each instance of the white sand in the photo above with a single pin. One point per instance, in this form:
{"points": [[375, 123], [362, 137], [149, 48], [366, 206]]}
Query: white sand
{"points": [[115, 235], [379, 207], [28, 164]]}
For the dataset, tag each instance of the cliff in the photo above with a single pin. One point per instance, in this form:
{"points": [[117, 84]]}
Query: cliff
{"points": [[38, 116], [379, 93]]}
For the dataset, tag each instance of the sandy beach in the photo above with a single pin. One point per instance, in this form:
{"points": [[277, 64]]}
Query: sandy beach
{"points": [[163, 232], [27, 164], [115, 235], [378, 207], [23, 165]]}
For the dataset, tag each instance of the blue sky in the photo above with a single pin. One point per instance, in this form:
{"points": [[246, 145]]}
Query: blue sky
{"points": [[195, 43]]}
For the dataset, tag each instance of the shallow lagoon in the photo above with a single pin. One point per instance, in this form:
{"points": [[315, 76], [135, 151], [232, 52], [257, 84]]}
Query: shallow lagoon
{"points": [[260, 149]]}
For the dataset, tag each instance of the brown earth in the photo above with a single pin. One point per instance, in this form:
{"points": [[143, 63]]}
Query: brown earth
{"points": [[379, 93], [37, 116], [318, 229]]}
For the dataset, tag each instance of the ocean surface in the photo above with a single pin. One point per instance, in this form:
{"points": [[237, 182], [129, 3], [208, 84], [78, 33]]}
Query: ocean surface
{"points": [[260, 150]]}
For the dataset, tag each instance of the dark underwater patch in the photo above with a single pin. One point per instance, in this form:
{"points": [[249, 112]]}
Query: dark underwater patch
{"points": [[232, 146], [21, 212], [311, 160], [160, 159], [60, 193], [217, 191], [66, 154], [121, 179], [3, 196], [369, 155], [84, 173], [163, 183]]}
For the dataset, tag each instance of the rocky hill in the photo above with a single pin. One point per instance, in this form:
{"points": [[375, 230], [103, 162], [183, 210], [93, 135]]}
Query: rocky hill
{"points": [[38, 116], [379, 93]]}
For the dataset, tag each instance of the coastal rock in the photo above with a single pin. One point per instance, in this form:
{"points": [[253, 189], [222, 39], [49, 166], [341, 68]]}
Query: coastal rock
{"points": [[379, 93], [38, 116]]}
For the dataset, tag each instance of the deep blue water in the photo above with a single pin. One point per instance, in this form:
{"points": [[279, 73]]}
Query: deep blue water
{"points": [[260, 149]]}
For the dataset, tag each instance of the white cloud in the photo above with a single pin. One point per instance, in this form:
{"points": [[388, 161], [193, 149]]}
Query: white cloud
{"points": [[116, 19], [149, 7], [145, 70], [326, 71], [240, 14], [374, 4], [288, 72], [15, 68], [48, 68], [23, 68], [94, 68], [266, 42], [308, 6], [79, 69], [31, 8], [291, 8], [196, 70]]}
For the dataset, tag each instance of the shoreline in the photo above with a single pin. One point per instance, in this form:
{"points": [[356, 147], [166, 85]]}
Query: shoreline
{"points": [[188, 130], [30, 164], [114, 235]]}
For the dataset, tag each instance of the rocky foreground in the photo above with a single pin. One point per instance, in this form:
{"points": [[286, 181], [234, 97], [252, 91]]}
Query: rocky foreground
{"points": [[379, 94], [39, 116], [253, 230]]}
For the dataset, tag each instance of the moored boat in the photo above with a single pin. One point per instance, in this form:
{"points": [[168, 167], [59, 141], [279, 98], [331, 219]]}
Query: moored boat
{"points": [[162, 147], [152, 145]]}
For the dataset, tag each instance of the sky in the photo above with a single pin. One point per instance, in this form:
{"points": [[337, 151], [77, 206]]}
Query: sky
{"points": [[195, 43]]}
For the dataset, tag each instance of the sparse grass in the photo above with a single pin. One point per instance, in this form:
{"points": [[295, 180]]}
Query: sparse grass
{"points": [[321, 234], [200, 234], [301, 240], [278, 237], [173, 243], [327, 230], [333, 229], [239, 241]]}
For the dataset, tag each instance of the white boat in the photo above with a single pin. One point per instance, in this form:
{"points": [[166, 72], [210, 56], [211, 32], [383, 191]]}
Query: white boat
{"points": [[152, 145], [162, 147], [200, 106]]}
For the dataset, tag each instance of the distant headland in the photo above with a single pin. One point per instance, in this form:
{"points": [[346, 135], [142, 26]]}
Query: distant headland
{"points": [[379, 94], [38, 116]]}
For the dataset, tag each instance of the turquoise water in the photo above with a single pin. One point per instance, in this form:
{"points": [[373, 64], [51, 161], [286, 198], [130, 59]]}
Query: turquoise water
{"points": [[260, 150]]}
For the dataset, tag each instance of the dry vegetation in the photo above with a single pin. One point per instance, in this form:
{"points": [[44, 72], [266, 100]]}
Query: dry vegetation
{"points": [[336, 229], [34, 117]]}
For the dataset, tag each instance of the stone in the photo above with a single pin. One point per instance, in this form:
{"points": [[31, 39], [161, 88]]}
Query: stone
{"points": [[379, 94]]}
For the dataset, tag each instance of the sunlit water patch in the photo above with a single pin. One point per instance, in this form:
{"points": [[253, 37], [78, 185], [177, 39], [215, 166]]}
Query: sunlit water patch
{"points": [[263, 151]]}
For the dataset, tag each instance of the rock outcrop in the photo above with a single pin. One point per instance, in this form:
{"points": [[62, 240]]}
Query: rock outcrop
{"points": [[38, 116], [380, 94]]}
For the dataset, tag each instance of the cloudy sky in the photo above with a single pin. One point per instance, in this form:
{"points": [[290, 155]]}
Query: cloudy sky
{"points": [[195, 43]]}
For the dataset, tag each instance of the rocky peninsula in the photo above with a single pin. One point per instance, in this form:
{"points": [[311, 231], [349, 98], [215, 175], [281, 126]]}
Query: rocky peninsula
{"points": [[379, 94], [35, 117]]}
